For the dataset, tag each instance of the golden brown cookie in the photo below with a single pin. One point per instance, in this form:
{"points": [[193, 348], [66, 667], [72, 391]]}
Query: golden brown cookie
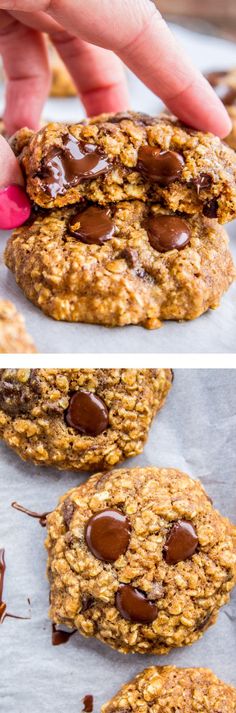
{"points": [[130, 263], [224, 83], [140, 559], [79, 419], [62, 83], [132, 156], [13, 336], [168, 689]]}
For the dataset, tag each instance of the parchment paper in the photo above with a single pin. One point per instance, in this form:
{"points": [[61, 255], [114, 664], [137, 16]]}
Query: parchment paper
{"points": [[213, 332], [195, 432]]}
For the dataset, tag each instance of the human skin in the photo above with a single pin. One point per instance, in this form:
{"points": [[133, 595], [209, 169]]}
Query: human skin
{"points": [[92, 38]]}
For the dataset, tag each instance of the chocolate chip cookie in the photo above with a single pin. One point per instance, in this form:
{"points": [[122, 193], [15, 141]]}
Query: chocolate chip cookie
{"points": [[13, 336], [140, 559], [224, 83], [170, 689], [131, 156], [79, 419], [126, 263]]}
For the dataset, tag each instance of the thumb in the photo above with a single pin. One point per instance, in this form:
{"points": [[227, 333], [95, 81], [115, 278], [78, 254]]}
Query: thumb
{"points": [[15, 206]]}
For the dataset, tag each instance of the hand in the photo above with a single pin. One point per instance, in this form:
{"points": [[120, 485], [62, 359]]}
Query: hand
{"points": [[92, 37]]}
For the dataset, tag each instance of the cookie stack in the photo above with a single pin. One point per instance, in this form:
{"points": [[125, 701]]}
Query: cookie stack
{"points": [[126, 220], [224, 83]]}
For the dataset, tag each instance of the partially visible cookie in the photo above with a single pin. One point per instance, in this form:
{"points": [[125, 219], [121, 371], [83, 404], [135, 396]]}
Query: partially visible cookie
{"points": [[140, 559], [116, 157], [224, 83], [129, 263], [62, 83], [168, 689], [80, 419], [13, 336]]}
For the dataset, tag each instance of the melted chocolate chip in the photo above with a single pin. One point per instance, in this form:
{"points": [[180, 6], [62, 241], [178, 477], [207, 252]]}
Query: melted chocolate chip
{"points": [[64, 167], [107, 534], [162, 167], [181, 542], [204, 180], [67, 511], [92, 226], [210, 208], [88, 703], [87, 413], [59, 636], [167, 232], [41, 516], [133, 605]]}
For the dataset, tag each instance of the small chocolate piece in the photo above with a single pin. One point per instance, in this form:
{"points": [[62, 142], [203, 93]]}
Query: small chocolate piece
{"points": [[59, 636], [41, 516], [87, 413], [88, 703], [210, 208], [67, 511], [204, 180], [87, 602], [64, 167], [107, 534], [92, 226], [130, 255], [167, 232], [181, 542], [162, 167], [133, 605]]}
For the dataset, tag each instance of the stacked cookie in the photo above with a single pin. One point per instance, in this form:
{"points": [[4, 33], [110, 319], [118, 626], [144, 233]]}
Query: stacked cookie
{"points": [[125, 227], [224, 83]]}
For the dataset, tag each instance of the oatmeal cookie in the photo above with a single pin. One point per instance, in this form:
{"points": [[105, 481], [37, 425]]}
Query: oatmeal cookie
{"points": [[224, 83], [140, 559], [79, 419], [131, 156], [13, 336], [129, 263], [171, 689], [62, 83]]}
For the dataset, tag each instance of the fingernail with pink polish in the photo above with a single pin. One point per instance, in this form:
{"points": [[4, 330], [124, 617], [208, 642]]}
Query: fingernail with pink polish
{"points": [[15, 207]]}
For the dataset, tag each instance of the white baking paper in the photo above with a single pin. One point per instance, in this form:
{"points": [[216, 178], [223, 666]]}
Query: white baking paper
{"points": [[195, 432], [213, 332]]}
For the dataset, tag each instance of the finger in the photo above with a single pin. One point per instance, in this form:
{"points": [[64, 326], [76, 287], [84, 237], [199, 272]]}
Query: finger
{"points": [[10, 171], [135, 30], [28, 78], [98, 74]]}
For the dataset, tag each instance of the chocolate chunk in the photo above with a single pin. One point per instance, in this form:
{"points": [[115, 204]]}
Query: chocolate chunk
{"points": [[88, 703], [87, 413], [162, 167], [67, 511], [210, 208], [92, 226], [167, 232], [59, 636], [64, 167], [204, 180], [130, 255], [107, 534], [133, 605], [87, 602], [203, 622], [181, 542]]}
